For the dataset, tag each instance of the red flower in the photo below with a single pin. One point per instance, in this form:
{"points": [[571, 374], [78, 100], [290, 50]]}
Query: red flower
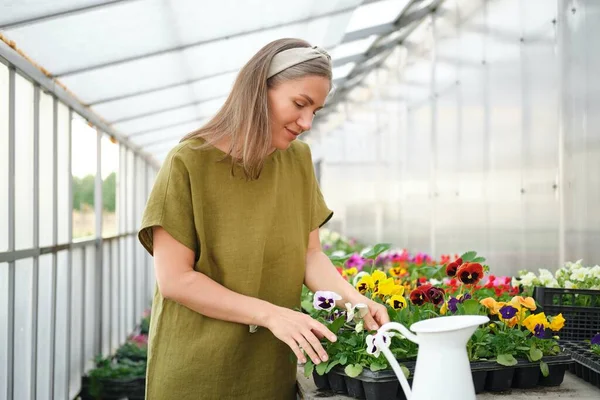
{"points": [[436, 295], [422, 280], [491, 278], [420, 296], [470, 273], [458, 260], [451, 269]]}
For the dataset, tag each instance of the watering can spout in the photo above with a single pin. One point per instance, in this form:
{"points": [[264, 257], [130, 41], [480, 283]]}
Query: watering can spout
{"points": [[442, 352]]}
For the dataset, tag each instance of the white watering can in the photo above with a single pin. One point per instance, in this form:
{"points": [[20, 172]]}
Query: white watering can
{"points": [[443, 370]]}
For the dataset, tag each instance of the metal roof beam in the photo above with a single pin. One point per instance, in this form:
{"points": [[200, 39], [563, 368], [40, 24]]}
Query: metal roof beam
{"points": [[198, 43]]}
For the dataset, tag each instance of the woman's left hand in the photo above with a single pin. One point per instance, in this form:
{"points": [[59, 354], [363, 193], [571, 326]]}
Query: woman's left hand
{"points": [[377, 315]]}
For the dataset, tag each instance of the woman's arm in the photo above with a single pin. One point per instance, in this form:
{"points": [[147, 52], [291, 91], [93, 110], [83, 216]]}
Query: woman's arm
{"points": [[321, 275], [178, 281]]}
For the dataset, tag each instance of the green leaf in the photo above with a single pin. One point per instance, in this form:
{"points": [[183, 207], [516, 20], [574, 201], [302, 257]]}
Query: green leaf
{"points": [[343, 359], [544, 368], [377, 250], [468, 256], [353, 370], [504, 359], [340, 259], [377, 366], [331, 365], [393, 314], [471, 307], [535, 354], [307, 306], [405, 371], [478, 259], [309, 367], [337, 324], [321, 368]]}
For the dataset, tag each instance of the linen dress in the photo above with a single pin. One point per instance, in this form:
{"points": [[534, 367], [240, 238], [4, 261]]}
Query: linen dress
{"points": [[249, 236]]}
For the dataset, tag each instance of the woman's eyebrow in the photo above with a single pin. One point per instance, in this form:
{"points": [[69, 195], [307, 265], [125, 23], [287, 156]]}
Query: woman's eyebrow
{"points": [[307, 97]]}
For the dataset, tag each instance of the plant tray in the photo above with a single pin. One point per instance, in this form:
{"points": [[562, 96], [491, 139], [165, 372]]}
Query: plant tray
{"points": [[587, 363], [579, 307]]}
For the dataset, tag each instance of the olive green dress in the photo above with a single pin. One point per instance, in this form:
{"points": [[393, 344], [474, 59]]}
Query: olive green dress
{"points": [[249, 236]]}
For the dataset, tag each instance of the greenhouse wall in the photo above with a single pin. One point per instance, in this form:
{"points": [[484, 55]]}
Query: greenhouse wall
{"points": [[483, 134]]}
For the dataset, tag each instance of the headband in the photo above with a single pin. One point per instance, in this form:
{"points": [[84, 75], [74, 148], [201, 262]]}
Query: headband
{"points": [[288, 58]]}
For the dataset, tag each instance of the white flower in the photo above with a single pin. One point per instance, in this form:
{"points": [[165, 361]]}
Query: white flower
{"points": [[579, 274], [372, 348], [552, 284], [527, 279], [338, 253], [363, 309], [435, 282], [335, 236], [595, 271], [545, 277], [325, 300], [570, 285], [359, 327], [515, 282]]}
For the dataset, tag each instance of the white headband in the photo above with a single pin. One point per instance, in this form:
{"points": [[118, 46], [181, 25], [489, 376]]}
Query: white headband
{"points": [[288, 58]]}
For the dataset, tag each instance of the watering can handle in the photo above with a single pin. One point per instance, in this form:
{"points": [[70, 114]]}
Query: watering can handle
{"points": [[390, 357]]}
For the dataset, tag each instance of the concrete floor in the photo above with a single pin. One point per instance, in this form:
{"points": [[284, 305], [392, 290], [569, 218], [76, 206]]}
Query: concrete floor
{"points": [[571, 388]]}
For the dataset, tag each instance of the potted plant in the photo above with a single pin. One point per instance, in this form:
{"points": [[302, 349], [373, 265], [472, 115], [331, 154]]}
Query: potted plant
{"points": [[114, 380]]}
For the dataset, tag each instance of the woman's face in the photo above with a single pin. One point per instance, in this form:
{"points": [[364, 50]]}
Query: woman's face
{"points": [[292, 107]]}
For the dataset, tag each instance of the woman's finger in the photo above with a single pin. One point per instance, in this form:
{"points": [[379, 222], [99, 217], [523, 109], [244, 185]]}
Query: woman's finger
{"points": [[296, 349], [316, 345], [303, 343]]}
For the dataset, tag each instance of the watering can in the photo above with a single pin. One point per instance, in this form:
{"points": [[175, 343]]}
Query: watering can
{"points": [[443, 370]]}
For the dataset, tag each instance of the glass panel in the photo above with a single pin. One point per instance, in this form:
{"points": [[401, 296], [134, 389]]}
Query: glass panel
{"points": [[23, 163], [63, 174], [130, 191], [352, 48], [83, 152], [140, 125], [341, 72], [44, 348], [176, 132], [23, 328], [20, 10], [3, 160], [46, 172], [77, 317], [110, 166], [62, 308], [3, 326], [115, 295], [91, 286], [132, 318], [107, 284], [376, 13], [122, 191]]}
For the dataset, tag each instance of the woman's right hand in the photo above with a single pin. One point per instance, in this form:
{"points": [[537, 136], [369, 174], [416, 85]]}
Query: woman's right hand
{"points": [[300, 332]]}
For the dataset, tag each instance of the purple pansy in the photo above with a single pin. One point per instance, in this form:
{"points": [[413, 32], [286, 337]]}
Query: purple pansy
{"points": [[539, 331], [325, 300], [596, 339], [508, 312]]}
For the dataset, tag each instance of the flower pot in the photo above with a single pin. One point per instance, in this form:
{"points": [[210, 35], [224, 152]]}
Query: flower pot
{"points": [[556, 374], [321, 381], [137, 389], [354, 387], [526, 377], [381, 390], [337, 383], [499, 380], [479, 380]]}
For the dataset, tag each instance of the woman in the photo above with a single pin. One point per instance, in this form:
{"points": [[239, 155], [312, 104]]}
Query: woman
{"points": [[233, 224]]}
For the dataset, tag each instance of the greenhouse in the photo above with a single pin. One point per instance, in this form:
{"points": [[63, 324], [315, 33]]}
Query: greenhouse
{"points": [[440, 165]]}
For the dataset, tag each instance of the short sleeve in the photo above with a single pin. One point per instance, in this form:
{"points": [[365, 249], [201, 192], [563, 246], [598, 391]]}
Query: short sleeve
{"points": [[320, 213], [170, 205]]}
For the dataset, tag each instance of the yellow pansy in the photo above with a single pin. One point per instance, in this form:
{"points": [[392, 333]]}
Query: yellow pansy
{"points": [[365, 283], [492, 305], [397, 302], [527, 302], [535, 319], [557, 323], [378, 276], [444, 308], [397, 271], [350, 272]]}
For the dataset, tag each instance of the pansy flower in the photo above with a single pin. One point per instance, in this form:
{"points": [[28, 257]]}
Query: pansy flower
{"points": [[557, 322], [397, 271], [352, 314], [325, 300], [527, 302], [596, 340], [420, 295], [507, 312], [470, 273], [451, 269], [534, 319], [397, 302], [539, 331], [436, 295], [365, 283], [378, 277], [372, 347]]}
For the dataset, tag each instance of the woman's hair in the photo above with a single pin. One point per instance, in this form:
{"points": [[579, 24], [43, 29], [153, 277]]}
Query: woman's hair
{"points": [[244, 117]]}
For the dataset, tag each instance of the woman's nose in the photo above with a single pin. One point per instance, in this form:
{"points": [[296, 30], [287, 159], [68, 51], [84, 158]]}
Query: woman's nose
{"points": [[305, 122]]}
